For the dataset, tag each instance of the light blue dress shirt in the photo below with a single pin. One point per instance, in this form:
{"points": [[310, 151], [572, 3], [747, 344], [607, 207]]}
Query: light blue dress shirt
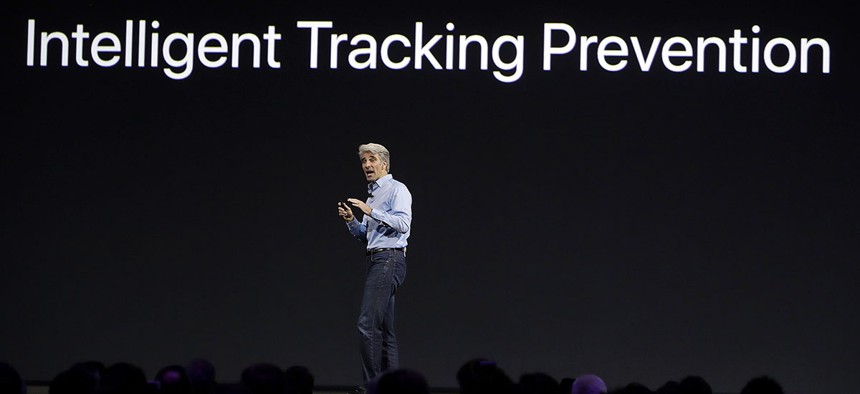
{"points": [[388, 225]]}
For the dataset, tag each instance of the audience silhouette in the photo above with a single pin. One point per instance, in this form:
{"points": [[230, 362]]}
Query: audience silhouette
{"points": [[476, 376]]}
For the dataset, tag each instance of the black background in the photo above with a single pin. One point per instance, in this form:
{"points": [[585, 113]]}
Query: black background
{"points": [[642, 226]]}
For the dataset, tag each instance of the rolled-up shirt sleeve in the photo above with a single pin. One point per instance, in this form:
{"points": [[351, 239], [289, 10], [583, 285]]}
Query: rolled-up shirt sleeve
{"points": [[358, 229]]}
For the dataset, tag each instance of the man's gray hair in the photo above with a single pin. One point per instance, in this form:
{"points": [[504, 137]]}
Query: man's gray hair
{"points": [[378, 151]]}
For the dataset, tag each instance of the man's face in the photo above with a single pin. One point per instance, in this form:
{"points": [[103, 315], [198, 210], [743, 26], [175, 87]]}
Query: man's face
{"points": [[373, 167]]}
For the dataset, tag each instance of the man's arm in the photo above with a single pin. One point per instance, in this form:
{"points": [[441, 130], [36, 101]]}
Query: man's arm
{"points": [[400, 216], [356, 228]]}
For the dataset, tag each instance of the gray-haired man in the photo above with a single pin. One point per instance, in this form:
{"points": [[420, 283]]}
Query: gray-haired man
{"points": [[385, 226]]}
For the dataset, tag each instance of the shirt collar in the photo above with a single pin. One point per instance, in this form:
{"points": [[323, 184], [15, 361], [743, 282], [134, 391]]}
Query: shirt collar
{"points": [[380, 182]]}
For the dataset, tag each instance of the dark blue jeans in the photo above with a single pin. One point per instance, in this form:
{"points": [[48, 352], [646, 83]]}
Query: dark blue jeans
{"points": [[385, 272]]}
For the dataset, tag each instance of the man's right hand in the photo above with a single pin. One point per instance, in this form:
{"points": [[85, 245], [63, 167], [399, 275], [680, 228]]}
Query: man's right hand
{"points": [[345, 211]]}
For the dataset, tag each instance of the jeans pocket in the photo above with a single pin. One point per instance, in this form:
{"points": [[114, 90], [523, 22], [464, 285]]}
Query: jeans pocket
{"points": [[381, 257]]}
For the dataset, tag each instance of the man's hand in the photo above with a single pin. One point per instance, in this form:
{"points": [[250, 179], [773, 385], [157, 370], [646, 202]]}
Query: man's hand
{"points": [[360, 205], [345, 211]]}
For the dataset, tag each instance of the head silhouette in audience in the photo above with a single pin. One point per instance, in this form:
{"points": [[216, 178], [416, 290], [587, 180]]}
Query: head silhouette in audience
{"points": [[10, 380], [694, 385], [298, 380], [123, 378], [588, 384], [399, 381], [173, 379], [762, 385], [482, 376], [74, 381], [201, 373], [263, 379]]}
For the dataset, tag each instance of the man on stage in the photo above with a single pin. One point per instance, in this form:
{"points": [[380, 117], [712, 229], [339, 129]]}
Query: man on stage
{"points": [[384, 227]]}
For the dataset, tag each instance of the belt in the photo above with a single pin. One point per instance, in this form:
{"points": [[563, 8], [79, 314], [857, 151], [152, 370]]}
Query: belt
{"points": [[377, 250]]}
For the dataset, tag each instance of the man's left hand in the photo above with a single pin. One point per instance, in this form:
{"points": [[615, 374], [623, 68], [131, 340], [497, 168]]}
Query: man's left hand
{"points": [[360, 205]]}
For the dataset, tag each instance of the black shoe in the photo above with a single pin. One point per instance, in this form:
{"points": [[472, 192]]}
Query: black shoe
{"points": [[359, 390]]}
